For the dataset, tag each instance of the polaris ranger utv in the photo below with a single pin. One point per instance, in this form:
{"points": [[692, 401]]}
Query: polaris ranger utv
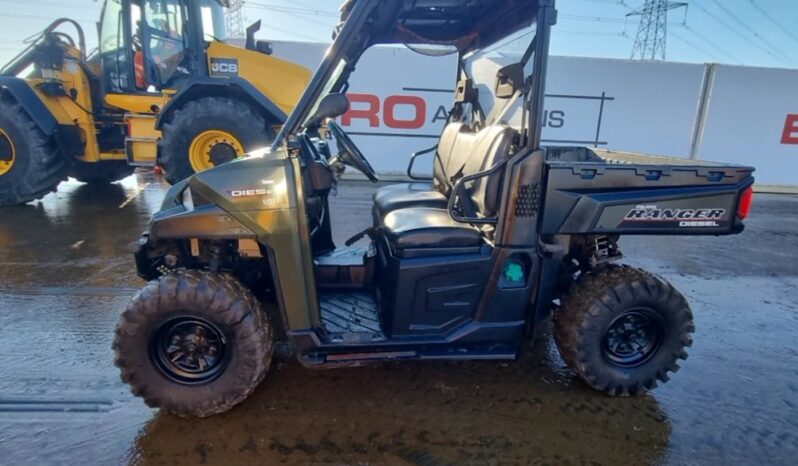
{"points": [[460, 266]]}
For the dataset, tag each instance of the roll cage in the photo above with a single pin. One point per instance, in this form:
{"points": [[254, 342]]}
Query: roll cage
{"points": [[468, 25]]}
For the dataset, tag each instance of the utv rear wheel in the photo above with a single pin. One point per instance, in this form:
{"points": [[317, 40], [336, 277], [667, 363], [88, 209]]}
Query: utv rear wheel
{"points": [[193, 343], [623, 329], [100, 172], [30, 164], [208, 132]]}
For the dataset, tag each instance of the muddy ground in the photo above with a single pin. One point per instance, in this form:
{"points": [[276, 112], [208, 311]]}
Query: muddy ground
{"points": [[65, 275]]}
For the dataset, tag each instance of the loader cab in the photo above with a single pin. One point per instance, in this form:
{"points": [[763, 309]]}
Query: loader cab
{"points": [[150, 45]]}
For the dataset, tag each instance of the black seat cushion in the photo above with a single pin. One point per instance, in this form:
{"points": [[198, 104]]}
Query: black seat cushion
{"points": [[465, 154], [434, 193], [400, 196], [425, 228]]}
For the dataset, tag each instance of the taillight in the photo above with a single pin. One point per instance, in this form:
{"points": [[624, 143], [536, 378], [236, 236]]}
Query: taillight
{"points": [[745, 203]]}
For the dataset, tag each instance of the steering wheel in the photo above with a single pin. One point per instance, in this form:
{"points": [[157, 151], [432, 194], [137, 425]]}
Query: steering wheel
{"points": [[157, 34], [350, 154]]}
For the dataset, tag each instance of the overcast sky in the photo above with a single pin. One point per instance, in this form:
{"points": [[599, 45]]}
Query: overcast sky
{"points": [[749, 32]]}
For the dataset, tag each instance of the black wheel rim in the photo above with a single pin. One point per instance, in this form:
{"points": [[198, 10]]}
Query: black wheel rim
{"points": [[189, 350], [634, 337], [222, 152]]}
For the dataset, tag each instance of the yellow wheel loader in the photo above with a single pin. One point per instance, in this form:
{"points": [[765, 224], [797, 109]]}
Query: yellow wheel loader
{"points": [[162, 88]]}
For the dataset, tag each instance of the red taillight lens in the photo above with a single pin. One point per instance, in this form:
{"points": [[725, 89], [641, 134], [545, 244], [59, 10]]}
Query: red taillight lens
{"points": [[745, 203]]}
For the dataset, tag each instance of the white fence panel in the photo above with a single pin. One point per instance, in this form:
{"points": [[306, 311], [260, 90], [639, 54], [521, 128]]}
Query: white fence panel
{"points": [[753, 120], [399, 99]]}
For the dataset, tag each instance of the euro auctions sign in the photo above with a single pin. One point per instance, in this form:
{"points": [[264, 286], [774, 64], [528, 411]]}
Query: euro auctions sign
{"points": [[790, 134], [400, 101]]}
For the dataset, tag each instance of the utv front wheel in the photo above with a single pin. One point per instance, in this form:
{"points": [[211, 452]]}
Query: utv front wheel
{"points": [[623, 329], [193, 343]]}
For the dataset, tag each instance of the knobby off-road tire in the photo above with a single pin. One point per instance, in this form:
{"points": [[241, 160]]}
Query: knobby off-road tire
{"points": [[218, 300], [37, 167], [610, 306], [208, 114], [100, 172]]}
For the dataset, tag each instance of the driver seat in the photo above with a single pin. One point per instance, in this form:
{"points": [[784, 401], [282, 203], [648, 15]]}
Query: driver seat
{"points": [[447, 163], [422, 230]]}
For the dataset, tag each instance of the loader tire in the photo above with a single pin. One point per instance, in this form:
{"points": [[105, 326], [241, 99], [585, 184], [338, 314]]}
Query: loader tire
{"points": [[100, 172], [208, 132], [193, 343], [31, 165], [623, 329]]}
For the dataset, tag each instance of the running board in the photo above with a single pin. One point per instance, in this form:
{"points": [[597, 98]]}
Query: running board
{"points": [[317, 359]]}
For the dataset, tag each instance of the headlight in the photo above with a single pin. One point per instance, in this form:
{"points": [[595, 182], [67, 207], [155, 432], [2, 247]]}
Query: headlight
{"points": [[188, 199]]}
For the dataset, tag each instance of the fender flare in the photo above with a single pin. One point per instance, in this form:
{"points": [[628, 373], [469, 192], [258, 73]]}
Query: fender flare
{"points": [[19, 90], [236, 88]]}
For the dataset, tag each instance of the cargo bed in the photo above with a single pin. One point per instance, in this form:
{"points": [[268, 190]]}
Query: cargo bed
{"points": [[596, 191]]}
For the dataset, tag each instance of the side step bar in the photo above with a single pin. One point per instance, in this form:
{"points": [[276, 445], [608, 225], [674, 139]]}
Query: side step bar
{"points": [[316, 359]]}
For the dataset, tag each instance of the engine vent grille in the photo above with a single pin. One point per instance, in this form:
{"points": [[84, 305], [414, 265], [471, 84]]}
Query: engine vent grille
{"points": [[528, 199]]}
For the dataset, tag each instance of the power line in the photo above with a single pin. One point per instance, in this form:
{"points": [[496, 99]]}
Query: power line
{"points": [[55, 4], [313, 7], [590, 33], [691, 44], [734, 30], [296, 10], [300, 14], [749, 29], [47, 18], [596, 19], [297, 34], [602, 19], [711, 44], [773, 20], [607, 2]]}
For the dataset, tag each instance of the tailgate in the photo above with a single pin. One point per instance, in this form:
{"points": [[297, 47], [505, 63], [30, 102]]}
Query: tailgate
{"points": [[591, 191]]}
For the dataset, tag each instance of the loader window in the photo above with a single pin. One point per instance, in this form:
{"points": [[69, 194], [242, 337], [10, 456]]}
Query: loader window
{"points": [[113, 51], [111, 33], [166, 40], [213, 23]]}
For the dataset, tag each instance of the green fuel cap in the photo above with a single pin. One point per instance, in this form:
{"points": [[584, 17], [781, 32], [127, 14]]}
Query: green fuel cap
{"points": [[514, 273]]}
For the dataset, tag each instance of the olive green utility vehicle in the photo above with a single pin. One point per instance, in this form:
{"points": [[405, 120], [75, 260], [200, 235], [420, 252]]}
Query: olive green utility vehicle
{"points": [[460, 265]]}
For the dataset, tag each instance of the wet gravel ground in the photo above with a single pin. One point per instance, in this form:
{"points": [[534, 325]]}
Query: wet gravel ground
{"points": [[65, 275]]}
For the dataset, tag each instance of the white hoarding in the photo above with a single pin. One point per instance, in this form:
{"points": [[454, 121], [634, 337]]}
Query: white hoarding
{"points": [[400, 98], [752, 119], [399, 101], [625, 105]]}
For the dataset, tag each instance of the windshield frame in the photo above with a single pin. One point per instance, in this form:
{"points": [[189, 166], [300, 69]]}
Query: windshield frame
{"points": [[481, 65], [360, 29], [348, 45]]}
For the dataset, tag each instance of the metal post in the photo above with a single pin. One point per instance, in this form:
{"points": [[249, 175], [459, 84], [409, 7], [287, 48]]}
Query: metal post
{"points": [[697, 139], [547, 17]]}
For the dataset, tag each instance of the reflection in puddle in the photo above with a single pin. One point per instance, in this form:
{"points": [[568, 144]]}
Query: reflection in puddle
{"points": [[418, 413]]}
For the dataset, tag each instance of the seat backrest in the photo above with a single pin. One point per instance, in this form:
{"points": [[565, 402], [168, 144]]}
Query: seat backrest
{"points": [[492, 145], [462, 152], [444, 163]]}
